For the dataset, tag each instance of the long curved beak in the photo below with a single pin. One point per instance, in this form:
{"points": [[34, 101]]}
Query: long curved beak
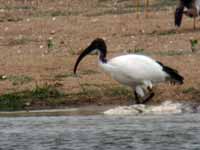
{"points": [[82, 55]]}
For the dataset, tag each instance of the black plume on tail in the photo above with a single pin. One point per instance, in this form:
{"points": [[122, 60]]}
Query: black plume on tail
{"points": [[178, 16], [173, 74]]}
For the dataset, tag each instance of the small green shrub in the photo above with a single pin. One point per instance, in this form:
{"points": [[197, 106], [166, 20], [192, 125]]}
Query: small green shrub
{"points": [[50, 44], [18, 100]]}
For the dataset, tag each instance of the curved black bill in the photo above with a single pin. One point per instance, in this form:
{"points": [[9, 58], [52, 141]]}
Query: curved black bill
{"points": [[82, 55]]}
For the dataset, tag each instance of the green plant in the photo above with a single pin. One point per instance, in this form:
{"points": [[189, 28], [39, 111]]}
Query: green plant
{"points": [[139, 50], [193, 44], [19, 41], [10, 102], [58, 13], [189, 90], [117, 91], [71, 52], [88, 72], [19, 80], [45, 92], [18, 100], [50, 43], [65, 75]]}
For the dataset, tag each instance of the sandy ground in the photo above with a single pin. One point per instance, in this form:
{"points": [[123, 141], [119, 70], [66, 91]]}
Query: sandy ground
{"points": [[26, 27]]}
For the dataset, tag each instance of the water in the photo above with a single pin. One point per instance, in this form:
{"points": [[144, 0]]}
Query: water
{"points": [[102, 132]]}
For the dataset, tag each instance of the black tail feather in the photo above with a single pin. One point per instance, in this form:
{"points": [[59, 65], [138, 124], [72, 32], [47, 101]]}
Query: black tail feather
{"points": [[178, 16], [174, 76]]}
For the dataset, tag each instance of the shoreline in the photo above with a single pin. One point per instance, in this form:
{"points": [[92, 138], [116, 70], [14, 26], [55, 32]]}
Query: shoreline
{"points": [[68, 111], [166, 107]]}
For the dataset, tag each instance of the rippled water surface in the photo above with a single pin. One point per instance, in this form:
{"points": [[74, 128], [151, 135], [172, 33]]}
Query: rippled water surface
{"points": [[157, 132]]}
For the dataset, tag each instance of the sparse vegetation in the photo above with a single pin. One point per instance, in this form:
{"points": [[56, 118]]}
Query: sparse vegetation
{"points": [[161, 53], [189, 90], [71, 74], [19, 100], [16, 80], [10, 19], [171, 53], [163, 33], [139, 50], [58, 13], [21, 40], [18, 7], [72, 52], [65, 75], [50, 43], [193, 43], [19, 80], [49, 95], [119, 91], [88, 72], [101, 91]]}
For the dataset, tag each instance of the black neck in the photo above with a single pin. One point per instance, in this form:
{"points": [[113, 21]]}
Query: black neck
{"points": [[102, 55], [188, 3]]}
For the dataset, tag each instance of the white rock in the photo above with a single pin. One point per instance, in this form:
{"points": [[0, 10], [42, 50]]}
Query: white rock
{"points": [[167, 107], [41, 46]]}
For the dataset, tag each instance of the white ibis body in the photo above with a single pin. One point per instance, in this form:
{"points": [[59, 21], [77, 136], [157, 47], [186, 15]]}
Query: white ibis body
{"points": [[192, 10], [136, 71]]}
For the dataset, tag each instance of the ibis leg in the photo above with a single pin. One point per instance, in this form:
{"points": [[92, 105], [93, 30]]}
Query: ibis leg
{"points": [[149, 97], [137, 100], [194, 23]]}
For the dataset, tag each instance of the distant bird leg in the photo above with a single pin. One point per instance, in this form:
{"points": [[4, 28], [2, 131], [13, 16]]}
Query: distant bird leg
{"points": [[192, 13], [143, 93], [137, 100], [148, 97], [193, 10], [143, 100], [146, 10], [194, 23], [146, 5]]}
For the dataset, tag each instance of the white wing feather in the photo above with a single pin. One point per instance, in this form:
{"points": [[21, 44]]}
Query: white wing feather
{"points": [[134, 69]]}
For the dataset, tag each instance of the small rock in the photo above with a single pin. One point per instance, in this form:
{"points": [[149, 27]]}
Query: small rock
{"points": [[2, 10], [41, 46], [52, 32], [4, 77], [18, 51], [6, 29]]}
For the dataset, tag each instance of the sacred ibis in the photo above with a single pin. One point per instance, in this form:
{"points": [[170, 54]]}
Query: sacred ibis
{"points": [[136, 71], [192, 10]]}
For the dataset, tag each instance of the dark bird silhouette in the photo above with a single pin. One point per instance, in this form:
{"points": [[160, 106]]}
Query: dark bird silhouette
{"points": [[192, 10]]}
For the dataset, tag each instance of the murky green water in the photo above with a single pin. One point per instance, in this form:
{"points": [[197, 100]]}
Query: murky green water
{"points": [[98, 132]]}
